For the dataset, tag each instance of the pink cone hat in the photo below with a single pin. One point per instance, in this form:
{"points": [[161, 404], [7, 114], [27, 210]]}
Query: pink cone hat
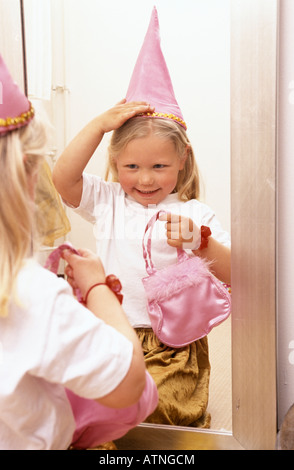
{"points": [[151, 80], [15, 109]]}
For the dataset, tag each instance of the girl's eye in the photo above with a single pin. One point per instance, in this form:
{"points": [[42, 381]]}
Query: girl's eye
{"points": [[159, 165], [132, 166]]}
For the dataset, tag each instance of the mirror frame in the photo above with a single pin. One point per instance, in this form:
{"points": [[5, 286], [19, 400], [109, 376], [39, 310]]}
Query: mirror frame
{"points": [[254, 28]]}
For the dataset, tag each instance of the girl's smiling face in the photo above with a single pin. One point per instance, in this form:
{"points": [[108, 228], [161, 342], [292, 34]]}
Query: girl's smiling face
{"points": [[148, 169]]}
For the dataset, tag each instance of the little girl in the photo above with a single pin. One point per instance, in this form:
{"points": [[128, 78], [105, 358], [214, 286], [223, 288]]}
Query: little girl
{"points": [[51, 346], [154, 165], [153, 168]]}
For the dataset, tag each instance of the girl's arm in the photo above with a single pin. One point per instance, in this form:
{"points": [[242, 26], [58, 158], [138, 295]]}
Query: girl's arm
{"points": [[183, 233], [220, 258], [68, 170], [83, 272]]}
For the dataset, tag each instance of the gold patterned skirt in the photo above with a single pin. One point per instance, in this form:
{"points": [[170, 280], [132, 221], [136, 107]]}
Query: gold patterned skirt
{"points": [[182, 379]]}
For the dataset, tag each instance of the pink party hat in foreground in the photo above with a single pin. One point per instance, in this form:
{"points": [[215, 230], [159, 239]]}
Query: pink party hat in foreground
{"points": [[151, 80], [15, 109]]}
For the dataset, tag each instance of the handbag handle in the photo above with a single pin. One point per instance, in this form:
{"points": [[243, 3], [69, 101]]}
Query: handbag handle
{"points": [[150, 268]]}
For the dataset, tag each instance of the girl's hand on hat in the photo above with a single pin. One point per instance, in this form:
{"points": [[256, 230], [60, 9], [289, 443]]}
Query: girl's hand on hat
{"points": [[181, 231], [121, 112]]}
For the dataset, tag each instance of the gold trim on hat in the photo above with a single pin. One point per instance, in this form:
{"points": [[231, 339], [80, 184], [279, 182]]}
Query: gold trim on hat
{"points": [[23, 119], [168, 116]]}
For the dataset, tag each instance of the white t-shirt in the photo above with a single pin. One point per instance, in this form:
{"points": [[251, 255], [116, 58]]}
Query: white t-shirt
{"points": [[119, 226], [49, 341]]}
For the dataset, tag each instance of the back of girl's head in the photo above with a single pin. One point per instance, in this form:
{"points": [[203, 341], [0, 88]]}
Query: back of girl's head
{"points": [[188, 185], [20, 153]]}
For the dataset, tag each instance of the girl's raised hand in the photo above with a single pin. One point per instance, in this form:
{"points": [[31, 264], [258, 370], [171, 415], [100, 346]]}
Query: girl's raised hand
{"points": [[181, 231], [121, 112]]}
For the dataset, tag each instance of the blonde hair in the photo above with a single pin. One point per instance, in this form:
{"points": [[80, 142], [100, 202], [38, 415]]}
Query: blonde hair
{"points": [[20, 152], [188, 184]]}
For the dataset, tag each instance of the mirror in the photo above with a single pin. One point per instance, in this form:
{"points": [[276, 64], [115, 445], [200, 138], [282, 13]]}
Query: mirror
{"points": [[199, 65], [253, 124]]}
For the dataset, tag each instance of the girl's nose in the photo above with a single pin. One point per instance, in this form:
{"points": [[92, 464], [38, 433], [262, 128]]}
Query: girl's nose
{"points": [[146, 178]]}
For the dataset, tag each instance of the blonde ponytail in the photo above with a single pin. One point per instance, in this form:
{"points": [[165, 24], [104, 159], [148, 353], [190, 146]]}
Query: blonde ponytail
{"points": [[16, 212]]}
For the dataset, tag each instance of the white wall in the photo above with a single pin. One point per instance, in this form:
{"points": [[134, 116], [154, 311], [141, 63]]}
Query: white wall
{"points": [[101, 43], [11, 39], [285, 225]]}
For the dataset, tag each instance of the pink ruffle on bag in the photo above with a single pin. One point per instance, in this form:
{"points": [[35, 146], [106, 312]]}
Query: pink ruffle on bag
{"points": [[95, 423], [184, 300]]}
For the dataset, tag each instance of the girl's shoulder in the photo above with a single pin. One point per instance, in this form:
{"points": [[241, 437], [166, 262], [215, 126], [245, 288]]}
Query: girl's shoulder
{"points": [[34, 281], [200, 205]]}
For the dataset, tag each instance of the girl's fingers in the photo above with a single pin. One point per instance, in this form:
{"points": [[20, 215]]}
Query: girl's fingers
{"points": [[137, 107], [121, 102]]}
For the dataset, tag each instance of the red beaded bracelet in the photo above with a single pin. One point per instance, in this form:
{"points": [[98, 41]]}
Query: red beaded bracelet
{"points": [[205, 233], [112, 282]]}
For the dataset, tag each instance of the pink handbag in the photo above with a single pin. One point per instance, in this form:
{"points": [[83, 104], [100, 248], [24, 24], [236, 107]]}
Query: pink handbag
{"points": [[95, 423], [184, 300]]}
